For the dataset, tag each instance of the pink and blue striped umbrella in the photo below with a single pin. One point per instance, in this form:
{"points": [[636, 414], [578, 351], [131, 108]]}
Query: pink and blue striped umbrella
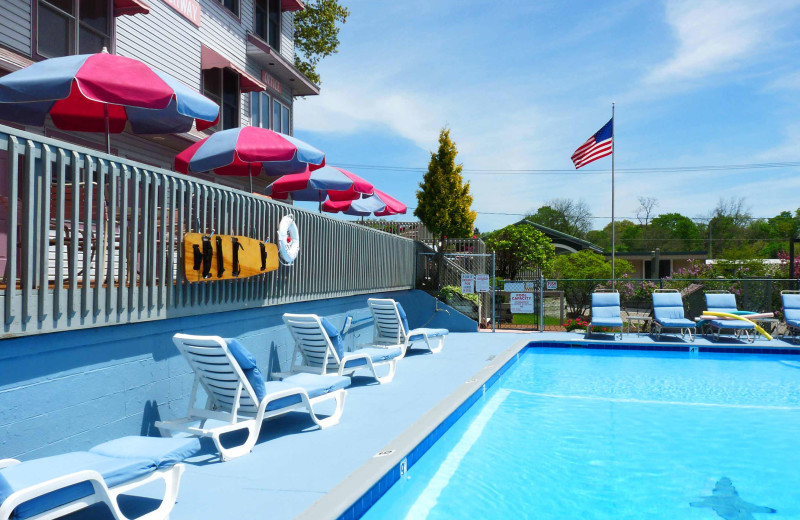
{"points": [[316, 185], [245, 151], [379, 204], [101, 93]]}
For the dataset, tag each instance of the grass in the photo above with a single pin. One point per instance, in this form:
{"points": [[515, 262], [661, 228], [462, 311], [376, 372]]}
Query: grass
{"points": [[532, 319]]}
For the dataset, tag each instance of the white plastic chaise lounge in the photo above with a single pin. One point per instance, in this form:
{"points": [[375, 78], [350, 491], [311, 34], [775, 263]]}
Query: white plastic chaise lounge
{"points": [[238, 397], [391, 328], [51, 487], [319, 349], [723, 301], [605, 311], [668, 313], [791, 312]]}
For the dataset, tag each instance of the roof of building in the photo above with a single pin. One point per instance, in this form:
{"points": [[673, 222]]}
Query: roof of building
{"points": [[561, 238]]}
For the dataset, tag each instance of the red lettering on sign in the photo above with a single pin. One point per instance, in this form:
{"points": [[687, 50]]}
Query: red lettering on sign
{"points": [[272, 82], [189, 9]]}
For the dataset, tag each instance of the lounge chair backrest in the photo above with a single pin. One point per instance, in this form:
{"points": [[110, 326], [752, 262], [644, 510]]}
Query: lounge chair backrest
{"points": [[721, 302], [388, 322], [605, 305], [218, 372], [667, 305], [791, 306], [311, 341]]}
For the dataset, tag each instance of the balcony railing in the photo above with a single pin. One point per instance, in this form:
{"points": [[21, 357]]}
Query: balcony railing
{"points": [[88, 239]]}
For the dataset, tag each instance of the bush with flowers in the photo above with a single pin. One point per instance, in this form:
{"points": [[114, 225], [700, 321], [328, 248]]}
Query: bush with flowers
{"points": [[577, 323]]}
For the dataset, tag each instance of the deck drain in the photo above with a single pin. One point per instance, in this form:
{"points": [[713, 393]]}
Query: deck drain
{"points": [[468, 381], [490, 358], [383, 453]]}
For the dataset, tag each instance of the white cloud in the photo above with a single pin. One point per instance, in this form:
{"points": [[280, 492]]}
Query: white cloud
{"points": [[717, 35]]}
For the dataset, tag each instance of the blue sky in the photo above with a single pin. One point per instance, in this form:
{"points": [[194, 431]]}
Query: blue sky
{"points": [[521, 84]]}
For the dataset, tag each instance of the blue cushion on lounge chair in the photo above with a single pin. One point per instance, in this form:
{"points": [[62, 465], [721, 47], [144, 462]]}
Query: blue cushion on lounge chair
{"points": [[334, 336], [793, 323], [791, 307], [606, 322], [677, 323], [732, 324], [162, 451], [376, 354], [315, 385], [403, 317], [247, 362], [721, 302], [431, 333], [114, 470], [668, 305]]}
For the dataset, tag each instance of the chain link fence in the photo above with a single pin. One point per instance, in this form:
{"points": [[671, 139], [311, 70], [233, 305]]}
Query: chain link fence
{"points": [[571, 298]]}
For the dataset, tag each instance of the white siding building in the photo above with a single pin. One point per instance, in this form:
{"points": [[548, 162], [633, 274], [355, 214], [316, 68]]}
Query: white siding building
{"points": [[240, 53]]}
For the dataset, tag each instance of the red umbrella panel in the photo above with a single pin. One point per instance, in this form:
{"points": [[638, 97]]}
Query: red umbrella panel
{"points": [[328, 181], [245, 151], [379, 204]]}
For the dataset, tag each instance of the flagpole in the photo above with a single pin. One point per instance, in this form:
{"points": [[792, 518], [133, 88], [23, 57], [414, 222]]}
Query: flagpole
{"points": [[613, 225]]}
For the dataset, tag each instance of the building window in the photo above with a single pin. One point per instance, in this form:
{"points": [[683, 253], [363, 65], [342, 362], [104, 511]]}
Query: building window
{"points": [[268, 22], [222, 87], [259, 109], [280, 117], [66, 27], [231, 5]]}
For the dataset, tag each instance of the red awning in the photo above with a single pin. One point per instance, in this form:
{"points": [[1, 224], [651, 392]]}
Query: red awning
{"points": [[292, 5], [211, 59], [130, 7]]}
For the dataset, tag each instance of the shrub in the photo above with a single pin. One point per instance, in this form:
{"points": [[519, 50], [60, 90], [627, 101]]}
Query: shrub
{"points": [[448, 291]]}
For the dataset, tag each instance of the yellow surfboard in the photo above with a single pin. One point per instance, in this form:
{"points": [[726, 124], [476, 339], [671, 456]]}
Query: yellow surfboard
{"points": [[226, 257]]}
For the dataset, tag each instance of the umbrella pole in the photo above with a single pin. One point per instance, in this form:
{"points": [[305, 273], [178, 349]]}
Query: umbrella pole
{"points": [[108, 129], [250, 174]]}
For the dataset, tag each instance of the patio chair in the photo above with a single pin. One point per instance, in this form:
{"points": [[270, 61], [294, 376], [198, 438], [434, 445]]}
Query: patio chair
{"points": [[668, 313], [51, 487], [791, 312], [391, 328], [319, 349], [605, 311], [239, 398], [723, 301]]}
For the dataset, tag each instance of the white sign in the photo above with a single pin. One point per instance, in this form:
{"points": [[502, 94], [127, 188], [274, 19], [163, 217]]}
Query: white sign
{"points": [[467, 283], [552, 285], [514, 286], [522, 303], [482, 282]]}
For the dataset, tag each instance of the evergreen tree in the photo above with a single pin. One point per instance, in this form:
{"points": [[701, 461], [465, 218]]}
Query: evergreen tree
{"points": [[444, 200]]}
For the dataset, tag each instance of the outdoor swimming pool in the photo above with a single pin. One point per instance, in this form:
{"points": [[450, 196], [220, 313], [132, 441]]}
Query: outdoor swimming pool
{"points": [[572, 433]]}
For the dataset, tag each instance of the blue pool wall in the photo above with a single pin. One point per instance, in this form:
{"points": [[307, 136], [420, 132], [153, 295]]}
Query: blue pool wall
{"points": [[71, 390]]}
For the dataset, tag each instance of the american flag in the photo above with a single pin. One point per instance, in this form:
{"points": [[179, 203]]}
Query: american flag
{"points": [[597, 146]]}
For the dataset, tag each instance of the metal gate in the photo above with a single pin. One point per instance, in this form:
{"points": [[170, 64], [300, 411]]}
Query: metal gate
{"points": [[465, 281], [520, 304]]}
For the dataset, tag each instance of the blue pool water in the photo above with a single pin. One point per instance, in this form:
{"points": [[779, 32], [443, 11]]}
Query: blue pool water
{"points": [[613, 435]]}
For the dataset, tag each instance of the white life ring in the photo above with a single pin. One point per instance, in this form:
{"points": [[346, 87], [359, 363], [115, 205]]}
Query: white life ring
{"points": [[288, 240]]}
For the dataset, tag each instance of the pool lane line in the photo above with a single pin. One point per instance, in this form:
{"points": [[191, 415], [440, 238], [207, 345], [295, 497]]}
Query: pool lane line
{"points": [[646, 401], [430, 495]]}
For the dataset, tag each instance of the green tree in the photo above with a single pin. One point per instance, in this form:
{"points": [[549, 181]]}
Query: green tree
{"points": [[566, 215], [588, 269], [520, 247], [444, 200], [316, 34], [673, 232]]}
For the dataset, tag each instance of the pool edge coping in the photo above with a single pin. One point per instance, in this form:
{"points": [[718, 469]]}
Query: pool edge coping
{"points": [[354, 492]]}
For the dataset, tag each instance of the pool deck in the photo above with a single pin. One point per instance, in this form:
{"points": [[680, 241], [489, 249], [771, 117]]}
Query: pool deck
{"points": [[295, 464]]}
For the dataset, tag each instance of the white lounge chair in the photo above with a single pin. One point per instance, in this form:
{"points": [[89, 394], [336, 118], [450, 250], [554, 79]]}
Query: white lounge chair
{"points": [[238, 396], [52, 487], [319, 350], [391, 328]]}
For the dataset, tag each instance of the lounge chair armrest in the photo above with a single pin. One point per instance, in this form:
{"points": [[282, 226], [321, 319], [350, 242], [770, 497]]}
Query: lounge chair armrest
{"points": [[6, 463], [43, 488]]}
